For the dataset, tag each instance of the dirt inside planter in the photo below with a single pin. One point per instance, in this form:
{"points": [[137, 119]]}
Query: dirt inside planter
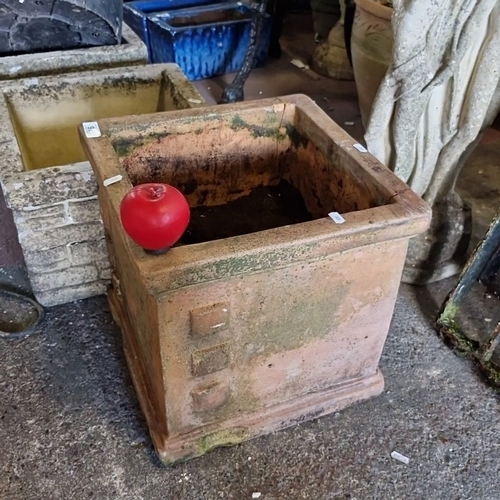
{"points": [[247, 173], [266, 207]]}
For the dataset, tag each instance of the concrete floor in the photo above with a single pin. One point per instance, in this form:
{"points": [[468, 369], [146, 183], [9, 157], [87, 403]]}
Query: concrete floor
{"points": [[71, 427]]}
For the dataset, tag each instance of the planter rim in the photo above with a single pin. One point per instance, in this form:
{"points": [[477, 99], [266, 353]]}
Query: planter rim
{"points": [[134, 52], [163, 18], [30, 328], [14, 171], [375, 9], [403, 216]]}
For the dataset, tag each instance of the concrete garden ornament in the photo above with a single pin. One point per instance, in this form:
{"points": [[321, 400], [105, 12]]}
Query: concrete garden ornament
{"points": [[440, 92]]}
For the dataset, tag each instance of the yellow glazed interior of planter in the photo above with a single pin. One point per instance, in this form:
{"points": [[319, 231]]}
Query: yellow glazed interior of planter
{"points": [[45, 119]]}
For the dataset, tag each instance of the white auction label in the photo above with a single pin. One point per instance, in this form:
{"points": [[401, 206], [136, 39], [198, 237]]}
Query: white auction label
{"points": [[400, 458], [360, 148], [112, 180], [91, 130], [335, 216]]}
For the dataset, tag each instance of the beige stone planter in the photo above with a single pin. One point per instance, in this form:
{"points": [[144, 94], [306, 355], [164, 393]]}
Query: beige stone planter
{"points": [[371, 48], [265, 326], [46, 179], [131, 52]]}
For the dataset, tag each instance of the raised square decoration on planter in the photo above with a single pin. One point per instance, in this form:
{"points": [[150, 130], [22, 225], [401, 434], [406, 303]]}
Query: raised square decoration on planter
{"points": [[267, 312], [206, 41], [47, 181]]}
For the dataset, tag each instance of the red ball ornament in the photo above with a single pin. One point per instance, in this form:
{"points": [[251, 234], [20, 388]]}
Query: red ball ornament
{"points": [[155, 216]]}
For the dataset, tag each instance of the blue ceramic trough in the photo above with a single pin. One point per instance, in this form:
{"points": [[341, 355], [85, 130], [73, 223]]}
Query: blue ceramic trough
{"points": [[206, 41], [135, 14]]}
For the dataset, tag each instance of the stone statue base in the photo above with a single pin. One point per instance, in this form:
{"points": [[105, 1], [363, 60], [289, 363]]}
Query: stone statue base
{"points": [[441, 251]]}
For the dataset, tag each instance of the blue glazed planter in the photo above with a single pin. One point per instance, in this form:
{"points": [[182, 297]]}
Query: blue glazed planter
{"points": [[206, 41], [135, 14]]}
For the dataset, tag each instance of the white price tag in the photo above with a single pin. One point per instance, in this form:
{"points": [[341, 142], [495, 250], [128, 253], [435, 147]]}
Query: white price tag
{"points": [[91, 130], [400, 458], [112, 180], [336, 217], [360, 148]]}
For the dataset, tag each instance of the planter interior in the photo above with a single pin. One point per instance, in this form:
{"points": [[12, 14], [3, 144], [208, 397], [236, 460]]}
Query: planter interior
{"points": [[194, 19], [45, 119], [135, 14], [253, 323]]}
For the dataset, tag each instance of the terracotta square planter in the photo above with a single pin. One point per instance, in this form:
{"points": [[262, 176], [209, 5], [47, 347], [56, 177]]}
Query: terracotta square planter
{"points": [[230, 338], [47, 181]]}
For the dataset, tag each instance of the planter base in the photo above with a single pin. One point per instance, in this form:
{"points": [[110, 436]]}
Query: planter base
{"points": [[230, 432]]}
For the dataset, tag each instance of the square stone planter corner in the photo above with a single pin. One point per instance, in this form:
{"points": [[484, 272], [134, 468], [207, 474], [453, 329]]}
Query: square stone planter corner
{"points": [[46, 179]]}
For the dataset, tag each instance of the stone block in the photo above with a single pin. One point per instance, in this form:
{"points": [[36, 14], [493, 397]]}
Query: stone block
{"points": [[38, 260], [104, 268], [48, 267], [47, 211], [84, 211], [65, 235], [40, 219], [58, 296], [64, 278], [49, 185], [87, 252]]}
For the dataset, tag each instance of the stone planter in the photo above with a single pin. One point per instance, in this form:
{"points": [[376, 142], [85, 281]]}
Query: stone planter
{"points": [[130, 52], [46, 179], [371, 48], [268, 313]]}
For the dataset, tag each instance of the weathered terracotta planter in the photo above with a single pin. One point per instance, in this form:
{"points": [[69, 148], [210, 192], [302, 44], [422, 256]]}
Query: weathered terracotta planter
{"points": [[371, 48], [242, 335], [46, 179]]}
